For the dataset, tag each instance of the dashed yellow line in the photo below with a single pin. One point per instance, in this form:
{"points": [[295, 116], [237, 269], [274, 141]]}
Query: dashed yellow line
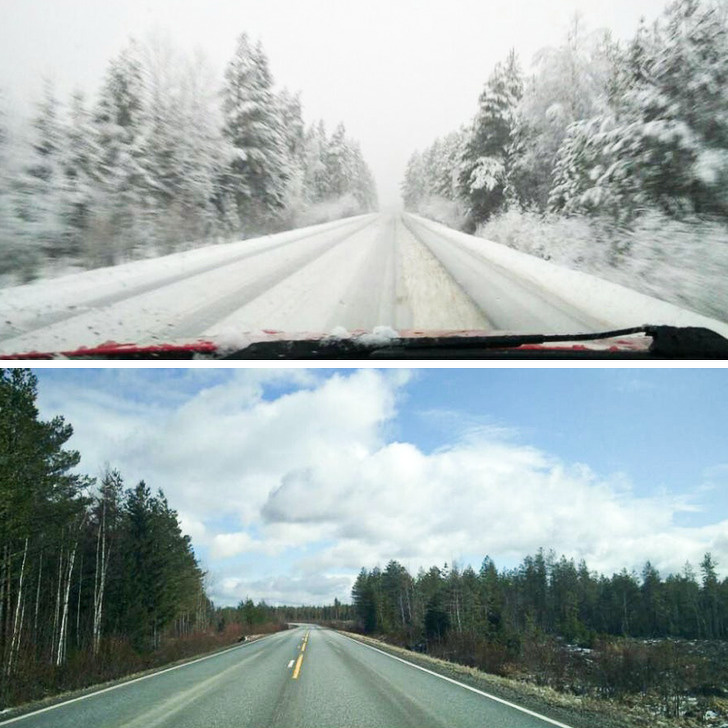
{"points": [[297, 668]]}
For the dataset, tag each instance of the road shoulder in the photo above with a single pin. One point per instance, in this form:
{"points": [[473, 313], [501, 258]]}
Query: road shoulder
{"points": [[20, 710], [570, 709]]}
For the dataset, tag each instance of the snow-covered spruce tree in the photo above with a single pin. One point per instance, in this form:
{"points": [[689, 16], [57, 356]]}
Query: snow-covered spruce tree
{"points": [[413, 188], [337, 180], [488, 152], [161, 130], [202, 152], [569, 84], [292, 126], [37, 188], [339, 161], [182, 147], [432, 177], [8, 218], [257, 174], [664, 142], [362, 186], [81, 164], [315, 181], [120, 224], [446, 162]]}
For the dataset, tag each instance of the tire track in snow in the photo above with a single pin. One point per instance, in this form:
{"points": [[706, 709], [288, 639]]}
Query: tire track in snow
{"points": [[508, 303], [205, 317], [84, 305]]}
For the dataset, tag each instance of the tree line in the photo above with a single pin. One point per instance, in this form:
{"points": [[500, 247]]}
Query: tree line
{"points": [[597, 128], [543, 595], [91, 571], [165, 155]]}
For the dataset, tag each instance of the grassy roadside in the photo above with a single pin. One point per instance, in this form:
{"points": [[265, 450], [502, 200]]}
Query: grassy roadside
{"points": [[573, 710], [32, 706]]}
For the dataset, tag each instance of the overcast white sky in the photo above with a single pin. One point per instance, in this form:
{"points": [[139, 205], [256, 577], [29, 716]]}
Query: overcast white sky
{"points": [[289, 481], [398, 73]]}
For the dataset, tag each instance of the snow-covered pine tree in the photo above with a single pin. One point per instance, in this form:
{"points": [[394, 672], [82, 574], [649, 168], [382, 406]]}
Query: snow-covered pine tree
{"points": [[8, 220], [315, 182], [569, 84], [664, 143], [291, 116], [413, 182], [292, 126], [363, 187], [487, 156], [202, 154], [447, 165], [161, 131], [339, 163], [81, 165], [119, 227], [691, 71], [38, 187], [258, 172]]}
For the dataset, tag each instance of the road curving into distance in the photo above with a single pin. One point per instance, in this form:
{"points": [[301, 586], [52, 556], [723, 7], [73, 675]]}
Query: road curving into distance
{"points": [[303, 678]]}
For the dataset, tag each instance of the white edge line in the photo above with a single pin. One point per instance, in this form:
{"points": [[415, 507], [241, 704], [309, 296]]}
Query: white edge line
{"points": [[290, 664], [463, 685], [124, 684]]}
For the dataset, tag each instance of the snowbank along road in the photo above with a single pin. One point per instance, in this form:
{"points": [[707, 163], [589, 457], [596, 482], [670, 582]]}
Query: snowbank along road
{"points": [[304, 678], [374, 270]]}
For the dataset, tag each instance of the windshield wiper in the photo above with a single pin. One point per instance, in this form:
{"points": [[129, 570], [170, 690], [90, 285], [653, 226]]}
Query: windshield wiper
{"points": [[662, 342], [642, 342]]}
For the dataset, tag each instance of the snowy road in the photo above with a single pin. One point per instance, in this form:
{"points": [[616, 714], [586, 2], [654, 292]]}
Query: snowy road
{"points": [[390, 270]]}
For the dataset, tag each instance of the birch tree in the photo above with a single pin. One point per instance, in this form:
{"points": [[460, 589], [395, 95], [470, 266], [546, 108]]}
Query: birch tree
{"points": [[107, 515]]}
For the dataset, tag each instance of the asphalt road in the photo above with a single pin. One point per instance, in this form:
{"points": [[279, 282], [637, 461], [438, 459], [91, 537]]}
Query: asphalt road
{"points": [[304, 678]]}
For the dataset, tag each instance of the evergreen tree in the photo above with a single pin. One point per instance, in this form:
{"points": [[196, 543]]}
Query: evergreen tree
{"points": [[38, 188], [122, 219], [315, 180], [339, 163], [258, 172], [199, 203], [569, 84], [487, 158], [11, 254], [41, 504], [81, 177], [664, 142], [363, 596]]}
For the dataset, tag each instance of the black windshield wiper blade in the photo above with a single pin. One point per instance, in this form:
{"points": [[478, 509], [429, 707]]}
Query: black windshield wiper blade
{"points": [[666, 342]]}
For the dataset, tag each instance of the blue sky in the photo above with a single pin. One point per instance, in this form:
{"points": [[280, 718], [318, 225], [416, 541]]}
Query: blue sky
{"points": [[289, 481], [662, 427]]}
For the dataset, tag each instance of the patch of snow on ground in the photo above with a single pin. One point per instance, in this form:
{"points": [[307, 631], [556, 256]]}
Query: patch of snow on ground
{"points": [[684, 263]]}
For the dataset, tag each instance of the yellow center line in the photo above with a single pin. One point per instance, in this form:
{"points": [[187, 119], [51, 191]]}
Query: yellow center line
{"points": [[303, 647], [297, 668]]}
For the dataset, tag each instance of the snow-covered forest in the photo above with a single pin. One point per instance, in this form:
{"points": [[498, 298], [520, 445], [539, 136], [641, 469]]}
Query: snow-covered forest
{"points": [[167, 156], [605, 156]]}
